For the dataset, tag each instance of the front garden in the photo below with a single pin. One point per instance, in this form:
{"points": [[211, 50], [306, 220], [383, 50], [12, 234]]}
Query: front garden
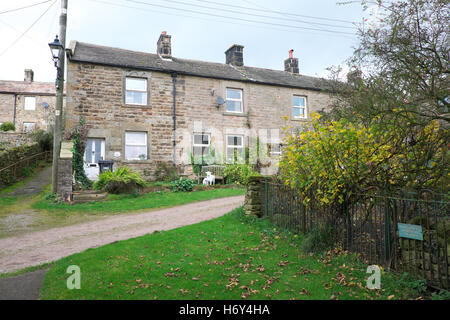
{"points": [[231, 257]]}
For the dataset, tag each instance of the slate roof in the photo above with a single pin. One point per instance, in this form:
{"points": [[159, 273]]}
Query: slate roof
{"points": [[23, 87], [85, 52]]}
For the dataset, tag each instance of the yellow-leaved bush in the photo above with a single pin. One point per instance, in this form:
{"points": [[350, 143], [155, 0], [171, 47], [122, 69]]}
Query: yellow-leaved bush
{"points": [[332, 161]]}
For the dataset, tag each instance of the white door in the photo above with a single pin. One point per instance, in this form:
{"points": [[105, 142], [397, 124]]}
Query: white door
{"points": [[95, 150]]}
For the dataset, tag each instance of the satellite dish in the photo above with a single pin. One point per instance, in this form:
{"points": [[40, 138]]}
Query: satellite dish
{"points": [[45, 105], [220, 101]]}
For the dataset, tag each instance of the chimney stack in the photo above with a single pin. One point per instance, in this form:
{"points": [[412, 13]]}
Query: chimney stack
{"points": [[29, 75], [291, 63], [235, 55], [164, 45]]}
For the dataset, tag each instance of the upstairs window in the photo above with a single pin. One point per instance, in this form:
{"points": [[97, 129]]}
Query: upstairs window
{"points": [[28, 126], [135, 145], [234, 100], [299, 107], [30, 103], [235, 149], [136, 91], [201, 144]]}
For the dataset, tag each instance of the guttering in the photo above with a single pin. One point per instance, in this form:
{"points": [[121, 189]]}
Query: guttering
{"points": [[174, 116]]}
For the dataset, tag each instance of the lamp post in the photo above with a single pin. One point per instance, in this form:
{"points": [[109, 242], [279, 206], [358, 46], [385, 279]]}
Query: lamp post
{"points": [[55, 48], [58, 56]]}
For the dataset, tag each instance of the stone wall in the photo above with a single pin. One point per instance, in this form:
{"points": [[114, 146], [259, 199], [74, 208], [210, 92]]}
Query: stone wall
{"points": [[254, 196], [43, 117], [11, 139], [96, 93], [65, 178]]}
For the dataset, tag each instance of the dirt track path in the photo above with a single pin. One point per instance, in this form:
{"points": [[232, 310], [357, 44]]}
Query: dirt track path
{"points": [[50, 245]]}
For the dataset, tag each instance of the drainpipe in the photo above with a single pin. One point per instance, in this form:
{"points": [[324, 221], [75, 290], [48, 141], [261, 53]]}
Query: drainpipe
{"points": [[15, 106], [174, 117]]}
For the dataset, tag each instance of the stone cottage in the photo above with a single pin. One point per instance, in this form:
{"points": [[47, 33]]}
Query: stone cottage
{"points": [[143, 108], [28, 104]]}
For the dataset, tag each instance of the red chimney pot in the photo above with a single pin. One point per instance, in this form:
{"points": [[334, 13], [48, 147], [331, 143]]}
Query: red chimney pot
{"points": [[291, 53]]}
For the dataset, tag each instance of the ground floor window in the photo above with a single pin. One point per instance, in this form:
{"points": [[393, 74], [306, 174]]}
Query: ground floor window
{"points": [[201, 144], [28, 126], [274, 149], [235, 149], [135, 145]]}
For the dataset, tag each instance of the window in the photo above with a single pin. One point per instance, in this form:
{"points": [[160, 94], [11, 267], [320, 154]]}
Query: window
{"points": [[234, 100], [201, 144], [135, 145], [28, 126], [299, 107], [30, 103], [136, 91], [235, 149], [274, 149]]}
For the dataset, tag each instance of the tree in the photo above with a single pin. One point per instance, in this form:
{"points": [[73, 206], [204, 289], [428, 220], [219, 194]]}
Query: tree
{"points": [[399, 86]]}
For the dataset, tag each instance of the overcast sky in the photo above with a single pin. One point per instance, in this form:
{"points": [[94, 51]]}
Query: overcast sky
{"points": [[134, 25]]}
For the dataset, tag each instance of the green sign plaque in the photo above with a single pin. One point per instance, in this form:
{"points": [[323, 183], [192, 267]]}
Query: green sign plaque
{"points": [[410, 231]]}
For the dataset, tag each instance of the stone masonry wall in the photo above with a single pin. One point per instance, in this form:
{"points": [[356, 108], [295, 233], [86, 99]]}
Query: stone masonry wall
{"points": [[96, 93], [254, 196], [65, 178], [42, 117], [15, 139]]}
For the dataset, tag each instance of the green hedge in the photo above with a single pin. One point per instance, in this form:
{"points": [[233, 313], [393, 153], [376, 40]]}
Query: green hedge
{"points": [[11, 156]]}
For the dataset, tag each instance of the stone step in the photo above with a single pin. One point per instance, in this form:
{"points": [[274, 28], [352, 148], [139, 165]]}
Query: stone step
{"points": [[89, 196], [88, 192], [86, 196]]}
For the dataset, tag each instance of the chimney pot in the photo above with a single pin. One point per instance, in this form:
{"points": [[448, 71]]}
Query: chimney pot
{"points": [[291, 53], [235, 55], [29, 75]]}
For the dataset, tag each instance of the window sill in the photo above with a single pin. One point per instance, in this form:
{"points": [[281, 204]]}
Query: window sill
{"points": [[135, 105], [137, 161], [300, 119], [236, 114]]}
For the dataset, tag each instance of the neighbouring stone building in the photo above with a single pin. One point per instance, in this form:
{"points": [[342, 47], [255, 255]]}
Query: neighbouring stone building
{"points": [[142, 108], [28, 104]]}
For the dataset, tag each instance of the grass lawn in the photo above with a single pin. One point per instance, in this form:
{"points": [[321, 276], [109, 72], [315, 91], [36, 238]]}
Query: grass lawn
{"points": [[231, 257], [23, 214]]}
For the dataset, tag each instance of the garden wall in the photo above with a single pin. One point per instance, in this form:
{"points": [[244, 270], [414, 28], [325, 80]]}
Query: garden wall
{"points": [[14, 139]]}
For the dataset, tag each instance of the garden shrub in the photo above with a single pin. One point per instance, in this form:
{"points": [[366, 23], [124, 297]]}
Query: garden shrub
{"points": [[165, 171], [185, 185], [239, 173], [122, 180], [318, 239], [43, 138], [8, 126]]}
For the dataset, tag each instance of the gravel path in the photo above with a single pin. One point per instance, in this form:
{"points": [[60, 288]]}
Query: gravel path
{"points": [[50, 245]]}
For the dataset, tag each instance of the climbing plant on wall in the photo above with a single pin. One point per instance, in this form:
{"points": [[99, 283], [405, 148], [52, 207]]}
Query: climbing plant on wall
{"points": [[78, 135]]}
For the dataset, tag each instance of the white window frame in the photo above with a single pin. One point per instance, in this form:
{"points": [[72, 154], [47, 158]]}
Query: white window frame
{"points": [[142, 91], [24, 126], [241, 100], [201, 145], [33, 108], [235, 146], [139, 145], [271, 144], [305, 114]]}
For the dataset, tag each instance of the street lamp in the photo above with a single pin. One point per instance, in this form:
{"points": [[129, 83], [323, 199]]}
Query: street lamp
{"points": [[56, 47]]}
